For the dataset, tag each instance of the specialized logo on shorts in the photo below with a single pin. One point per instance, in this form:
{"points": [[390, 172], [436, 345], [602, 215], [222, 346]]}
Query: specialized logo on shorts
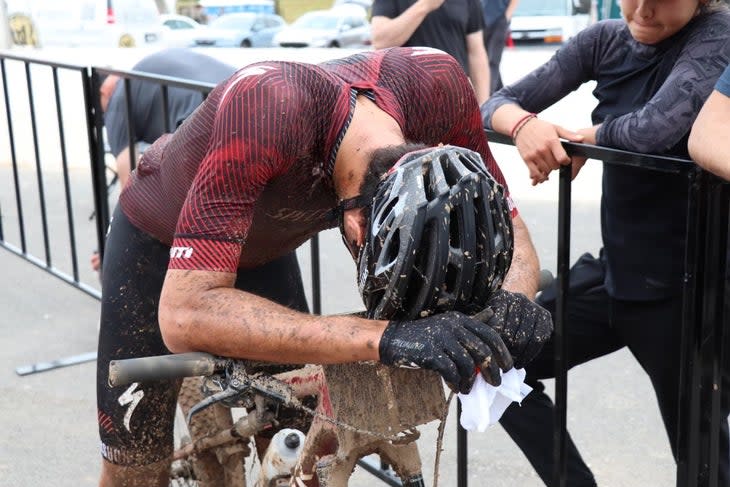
{"points": [[181, 252], [132, 398]]}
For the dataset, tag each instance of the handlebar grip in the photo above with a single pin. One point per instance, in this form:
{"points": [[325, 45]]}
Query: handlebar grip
{"points": [[162, 367]]}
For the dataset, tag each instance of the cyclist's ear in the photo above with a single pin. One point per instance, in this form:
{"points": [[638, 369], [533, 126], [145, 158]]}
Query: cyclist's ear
{"points": [[354, 227]]}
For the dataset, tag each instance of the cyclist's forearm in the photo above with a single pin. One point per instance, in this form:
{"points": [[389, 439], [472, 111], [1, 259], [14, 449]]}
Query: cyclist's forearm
{"points": [[228, 322], [524, 273]]}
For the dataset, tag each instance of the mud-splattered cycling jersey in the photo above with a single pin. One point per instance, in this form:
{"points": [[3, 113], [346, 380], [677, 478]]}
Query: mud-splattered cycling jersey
{"points": [[248, 176]]}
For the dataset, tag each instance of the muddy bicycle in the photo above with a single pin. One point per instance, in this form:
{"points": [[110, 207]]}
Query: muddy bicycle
{"points": [[343, 429]]}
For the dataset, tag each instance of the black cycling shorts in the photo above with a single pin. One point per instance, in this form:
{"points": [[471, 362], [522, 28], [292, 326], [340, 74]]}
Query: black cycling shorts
{"points": [[136, 421]]}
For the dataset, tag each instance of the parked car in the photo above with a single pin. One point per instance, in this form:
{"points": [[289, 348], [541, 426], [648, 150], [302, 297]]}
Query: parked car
{"points": [[551, 21], [326, 28], [246, 29], [217, 8], [179, 30]]}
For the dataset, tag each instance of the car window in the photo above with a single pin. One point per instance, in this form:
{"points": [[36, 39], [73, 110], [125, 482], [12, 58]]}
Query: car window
{"points": [[309, 21], [242, 22], [181, 24]]}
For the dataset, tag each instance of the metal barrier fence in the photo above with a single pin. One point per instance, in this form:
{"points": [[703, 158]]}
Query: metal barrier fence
{"points": [[706, 312], [705, 307]]}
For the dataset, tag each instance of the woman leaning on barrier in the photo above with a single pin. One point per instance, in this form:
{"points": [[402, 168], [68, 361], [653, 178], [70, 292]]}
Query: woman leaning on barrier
{"points": [[653, 70]]}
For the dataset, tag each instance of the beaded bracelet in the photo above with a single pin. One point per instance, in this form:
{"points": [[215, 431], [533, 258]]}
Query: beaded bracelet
{"points": [[521, 123]]}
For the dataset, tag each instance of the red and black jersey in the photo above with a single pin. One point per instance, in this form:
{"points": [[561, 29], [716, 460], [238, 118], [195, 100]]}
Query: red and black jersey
{"points": [[248, 176]]}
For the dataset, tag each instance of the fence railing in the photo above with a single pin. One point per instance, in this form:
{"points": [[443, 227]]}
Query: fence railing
{"points": [[78, 128], [706, 311]]}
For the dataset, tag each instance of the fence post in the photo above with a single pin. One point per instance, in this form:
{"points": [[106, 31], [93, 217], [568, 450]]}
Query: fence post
{"points": [[560, 432], [703, 335], [94, 127]]}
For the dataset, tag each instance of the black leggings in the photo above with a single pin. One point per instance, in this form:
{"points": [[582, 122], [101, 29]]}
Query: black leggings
{"points": [[136, 422], [596, 326]]}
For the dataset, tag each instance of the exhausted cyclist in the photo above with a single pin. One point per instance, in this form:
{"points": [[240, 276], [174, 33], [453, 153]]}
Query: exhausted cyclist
{"points": [[277, 153]]}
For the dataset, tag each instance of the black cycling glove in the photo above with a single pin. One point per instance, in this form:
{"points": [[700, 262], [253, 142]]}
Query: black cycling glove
{"points": [[452, 344], [524, 325]]}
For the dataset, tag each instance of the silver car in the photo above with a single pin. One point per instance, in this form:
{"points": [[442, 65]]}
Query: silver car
{"points": [[245, 29], [326, 28]]}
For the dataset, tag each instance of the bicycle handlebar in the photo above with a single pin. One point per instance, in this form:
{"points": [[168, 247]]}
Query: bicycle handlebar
{"points": [[162, 367]]}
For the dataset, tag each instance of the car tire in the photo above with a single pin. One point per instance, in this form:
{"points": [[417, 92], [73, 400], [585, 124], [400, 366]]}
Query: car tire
{"points": [[334, 44], [246, 43]]}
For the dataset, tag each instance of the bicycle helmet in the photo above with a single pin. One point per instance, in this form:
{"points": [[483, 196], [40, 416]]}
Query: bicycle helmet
{"points": [[439, 237]]}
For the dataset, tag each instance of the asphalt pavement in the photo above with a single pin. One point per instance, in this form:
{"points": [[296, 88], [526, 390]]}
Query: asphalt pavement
{"points": [[48, 419]]}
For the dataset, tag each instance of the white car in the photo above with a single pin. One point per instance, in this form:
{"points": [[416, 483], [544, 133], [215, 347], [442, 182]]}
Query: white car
{"points": [[326, 28], [179, 30], [550, 21]]}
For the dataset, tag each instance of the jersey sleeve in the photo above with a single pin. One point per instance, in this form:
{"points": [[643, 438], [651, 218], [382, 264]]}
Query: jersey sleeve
{"points": [[669, 114], [245, 152], [385, 8], [476, 17]]}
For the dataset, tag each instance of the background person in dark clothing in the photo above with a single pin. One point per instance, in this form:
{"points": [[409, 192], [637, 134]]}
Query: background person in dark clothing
{"points": [[497, 17], [453, 26], [147, 110], [653, 69]]}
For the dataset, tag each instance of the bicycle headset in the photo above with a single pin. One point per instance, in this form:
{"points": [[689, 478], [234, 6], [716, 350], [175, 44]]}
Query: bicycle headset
{"points": [[439, 236]]}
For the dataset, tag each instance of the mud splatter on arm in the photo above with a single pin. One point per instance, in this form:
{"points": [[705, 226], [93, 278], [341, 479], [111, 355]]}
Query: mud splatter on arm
{"points": [[524, 273]]}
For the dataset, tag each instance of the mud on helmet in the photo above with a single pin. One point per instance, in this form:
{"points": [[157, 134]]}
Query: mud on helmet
{"points": [[439, 237]]}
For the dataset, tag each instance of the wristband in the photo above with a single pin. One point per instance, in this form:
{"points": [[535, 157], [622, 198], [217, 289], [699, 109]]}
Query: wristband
{"points": [[521, 123]]}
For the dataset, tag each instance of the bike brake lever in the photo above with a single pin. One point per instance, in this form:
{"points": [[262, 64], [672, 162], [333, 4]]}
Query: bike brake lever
{"points": [[210, 400]]}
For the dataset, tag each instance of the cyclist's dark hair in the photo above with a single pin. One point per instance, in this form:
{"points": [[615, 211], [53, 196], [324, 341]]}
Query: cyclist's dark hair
{"points": [[381, 160]]}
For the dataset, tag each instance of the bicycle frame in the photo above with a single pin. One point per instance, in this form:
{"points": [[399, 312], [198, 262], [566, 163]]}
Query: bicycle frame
{"points": [[344, 427]]}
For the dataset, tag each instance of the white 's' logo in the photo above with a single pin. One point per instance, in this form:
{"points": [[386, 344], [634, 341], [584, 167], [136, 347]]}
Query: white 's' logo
{"points": [[181, 252], [132, 398]]}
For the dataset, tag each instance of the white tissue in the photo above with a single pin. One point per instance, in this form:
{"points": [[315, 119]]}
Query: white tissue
{"points": [[485, 404]]}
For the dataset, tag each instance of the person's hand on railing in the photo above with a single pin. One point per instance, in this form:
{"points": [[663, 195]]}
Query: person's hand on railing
{"points": [[523, 325], [452, 344], [538, 143]]}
